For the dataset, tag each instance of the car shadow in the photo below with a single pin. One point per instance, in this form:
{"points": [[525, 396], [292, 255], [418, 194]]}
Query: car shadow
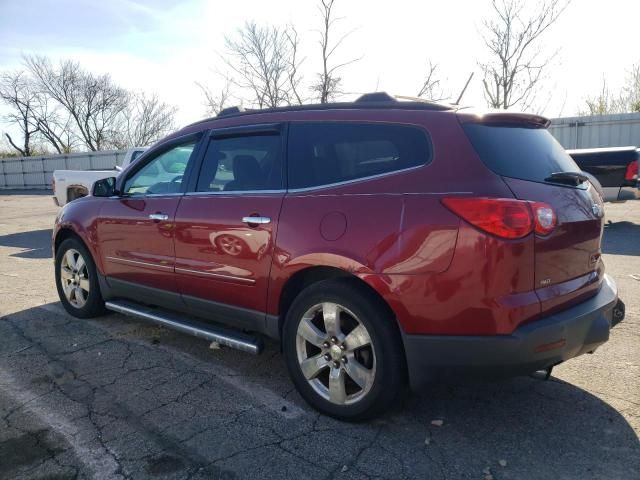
{"points": [[36, 243], [543, 429], [618, 237], [515, 428]]}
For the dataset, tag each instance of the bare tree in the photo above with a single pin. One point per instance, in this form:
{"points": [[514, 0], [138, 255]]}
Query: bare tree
{"points": [[55, 125], [215, 102], [94, 102], [260, 58], [512, 36], [603, 103], [431, 88], [631, 91], [18, 93], [328, 85], [626, 100], [293, 70], [146, 120]]}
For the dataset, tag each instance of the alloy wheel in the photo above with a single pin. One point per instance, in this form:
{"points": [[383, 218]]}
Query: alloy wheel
{"points": [[74, 277], [335, 353]]}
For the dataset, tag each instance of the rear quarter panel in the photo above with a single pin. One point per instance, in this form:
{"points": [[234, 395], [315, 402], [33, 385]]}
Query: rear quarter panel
{"points": [[391, 231]]}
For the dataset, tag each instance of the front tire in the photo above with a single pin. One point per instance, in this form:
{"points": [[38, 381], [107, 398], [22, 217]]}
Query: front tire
{"points": [[77, 280], [343, 350]]}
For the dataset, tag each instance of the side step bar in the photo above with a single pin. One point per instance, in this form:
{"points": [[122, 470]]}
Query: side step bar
{"points": [[190, 326]]}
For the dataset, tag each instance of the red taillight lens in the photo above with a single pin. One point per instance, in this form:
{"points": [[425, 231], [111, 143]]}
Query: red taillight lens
{"points": [[502, 217], [632, 171], [544, 218]]}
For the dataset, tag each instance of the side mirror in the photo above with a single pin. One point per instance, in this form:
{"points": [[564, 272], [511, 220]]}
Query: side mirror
{"points": [[105, 187]]}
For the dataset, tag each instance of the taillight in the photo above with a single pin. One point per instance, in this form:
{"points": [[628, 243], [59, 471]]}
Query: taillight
{"points": [[544, 218], [504, 217], [632, 171]]}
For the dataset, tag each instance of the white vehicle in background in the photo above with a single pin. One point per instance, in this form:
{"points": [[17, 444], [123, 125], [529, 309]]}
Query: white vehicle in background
{"points": [[69, 185]]}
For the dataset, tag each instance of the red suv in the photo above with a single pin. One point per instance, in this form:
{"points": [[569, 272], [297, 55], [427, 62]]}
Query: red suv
{"points": [[381, 241]]}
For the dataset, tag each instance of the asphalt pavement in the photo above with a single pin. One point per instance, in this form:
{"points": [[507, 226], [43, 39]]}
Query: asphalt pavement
{"points": [[114, 398]]}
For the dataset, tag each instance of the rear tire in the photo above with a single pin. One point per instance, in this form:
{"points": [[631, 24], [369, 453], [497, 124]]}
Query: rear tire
{"points": [[77, 280], [343, 350]]}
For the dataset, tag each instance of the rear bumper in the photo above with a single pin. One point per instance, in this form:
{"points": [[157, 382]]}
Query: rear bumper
{"points": [[534, 346]]}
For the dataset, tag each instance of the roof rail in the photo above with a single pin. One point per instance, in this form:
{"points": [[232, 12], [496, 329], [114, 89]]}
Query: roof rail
{"points": [[375, 97], [230, 111], [373, 100]]}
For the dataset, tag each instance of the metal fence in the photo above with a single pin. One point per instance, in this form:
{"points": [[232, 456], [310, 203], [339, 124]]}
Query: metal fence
{"points": [[36, 172], [618, 130]]}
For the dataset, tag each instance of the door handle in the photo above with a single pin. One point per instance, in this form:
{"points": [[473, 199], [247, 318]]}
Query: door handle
{"points": [[256, 220], [158, 216]]}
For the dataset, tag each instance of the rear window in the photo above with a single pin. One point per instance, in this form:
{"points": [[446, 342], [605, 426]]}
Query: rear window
{"points": [[525, 153], [327, 153]]}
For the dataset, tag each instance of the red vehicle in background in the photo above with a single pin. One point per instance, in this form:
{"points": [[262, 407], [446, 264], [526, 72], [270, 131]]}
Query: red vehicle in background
{"points": [[380, 241]]}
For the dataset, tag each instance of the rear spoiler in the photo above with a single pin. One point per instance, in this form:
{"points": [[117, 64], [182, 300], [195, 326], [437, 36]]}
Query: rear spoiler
{"points": [[506, 119]]}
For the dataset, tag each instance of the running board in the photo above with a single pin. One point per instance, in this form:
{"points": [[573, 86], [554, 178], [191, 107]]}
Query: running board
{"points": [[224, 336]]}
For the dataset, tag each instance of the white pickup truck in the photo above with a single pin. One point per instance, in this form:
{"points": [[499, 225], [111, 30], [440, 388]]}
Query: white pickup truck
{"points": [[71, 184]]}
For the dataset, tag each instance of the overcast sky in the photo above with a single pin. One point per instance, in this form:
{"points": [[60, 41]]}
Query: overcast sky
{"points": [[167, 45]]}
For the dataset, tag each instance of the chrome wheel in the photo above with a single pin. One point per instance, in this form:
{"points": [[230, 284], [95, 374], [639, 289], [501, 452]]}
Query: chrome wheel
{"points": [[74, 277], [335, 353]]}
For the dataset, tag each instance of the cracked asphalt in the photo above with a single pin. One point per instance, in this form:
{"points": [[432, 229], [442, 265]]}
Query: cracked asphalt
{"points": [[116, 398]]}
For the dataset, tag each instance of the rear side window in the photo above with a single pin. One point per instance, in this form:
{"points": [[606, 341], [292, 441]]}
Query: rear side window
{"points": [[242, 163], [326, 153], [525, 153]]}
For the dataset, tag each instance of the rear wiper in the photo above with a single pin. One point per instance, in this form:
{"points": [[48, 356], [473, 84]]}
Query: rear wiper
{"points": [[570, 178]]}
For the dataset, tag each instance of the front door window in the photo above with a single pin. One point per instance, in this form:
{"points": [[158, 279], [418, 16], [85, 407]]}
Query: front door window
{"points": [[162, 175]]}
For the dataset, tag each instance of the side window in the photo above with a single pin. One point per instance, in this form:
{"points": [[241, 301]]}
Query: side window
{"points": [[325, 153], [163, 174], [243, 163], [135, 155]]}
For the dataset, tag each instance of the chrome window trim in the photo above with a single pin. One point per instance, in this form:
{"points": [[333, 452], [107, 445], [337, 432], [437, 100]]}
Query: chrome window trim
{"points": [[137, 262], [222, 276], [145, 195], [234, 192], [389, 194], [357, 180], [179, 194]]}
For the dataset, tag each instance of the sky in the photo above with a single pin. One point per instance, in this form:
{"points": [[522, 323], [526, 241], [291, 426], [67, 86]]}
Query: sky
{"points": [[166, 46]]}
